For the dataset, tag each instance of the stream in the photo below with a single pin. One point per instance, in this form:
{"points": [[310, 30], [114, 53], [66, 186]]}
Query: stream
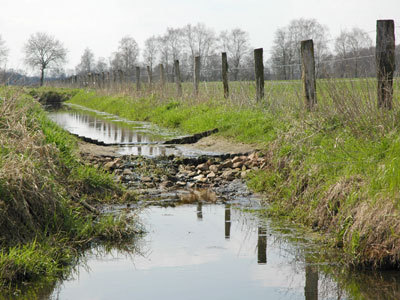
{"points": [[201, 250]]}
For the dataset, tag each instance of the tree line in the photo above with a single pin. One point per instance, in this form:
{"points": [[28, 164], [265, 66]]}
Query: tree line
{"points": [[350, 54]]}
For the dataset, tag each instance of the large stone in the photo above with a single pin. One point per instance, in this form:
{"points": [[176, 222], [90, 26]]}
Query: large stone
{"points": [[146, 179], [253, 156], [236, 159], [110, 166], [166, 184], [200, 178], [237, 164], [227, 164], [127, 172], [202, 167], [228, 174], [214, 168], [211, 175]]}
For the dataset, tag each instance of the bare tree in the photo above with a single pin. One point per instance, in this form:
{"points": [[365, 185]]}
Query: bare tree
{"points": [[150, 51], [236, 44], [101, 65], [283, 54], [350, 47], [165, 52], [44, 51], [201, 41], [128, 53], [87, 63], [3, 50], [286, 47], [116, 62]]}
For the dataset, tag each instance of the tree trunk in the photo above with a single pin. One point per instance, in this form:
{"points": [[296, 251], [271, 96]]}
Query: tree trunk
{"points": [[41, 76]]}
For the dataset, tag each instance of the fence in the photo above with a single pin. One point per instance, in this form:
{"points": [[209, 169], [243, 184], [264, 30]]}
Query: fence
{"points": [[150, 80]]}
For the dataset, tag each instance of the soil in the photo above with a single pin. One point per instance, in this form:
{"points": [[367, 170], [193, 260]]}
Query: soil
{"points": [[221, 145]]}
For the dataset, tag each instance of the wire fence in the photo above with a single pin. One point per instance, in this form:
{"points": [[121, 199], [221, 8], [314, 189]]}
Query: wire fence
{"points": [[282, 80]]}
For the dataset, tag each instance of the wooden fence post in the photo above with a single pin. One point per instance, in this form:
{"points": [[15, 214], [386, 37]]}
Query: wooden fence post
{"points": [[225, 74], [138, 78], [259, 73], [308, 73], [196, 75], [178, 78], [149, 76], [385, 62], [162, 75]]}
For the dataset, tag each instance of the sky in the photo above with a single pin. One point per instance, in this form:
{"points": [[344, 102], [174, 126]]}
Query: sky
{"points": [[100, 24]]}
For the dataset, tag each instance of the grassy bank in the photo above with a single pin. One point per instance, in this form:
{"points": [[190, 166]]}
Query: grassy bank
{"points": [[335, 169], [44, 225]]}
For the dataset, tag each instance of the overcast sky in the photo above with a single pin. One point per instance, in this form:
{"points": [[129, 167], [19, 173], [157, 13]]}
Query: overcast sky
{"points": [[100, 24]]}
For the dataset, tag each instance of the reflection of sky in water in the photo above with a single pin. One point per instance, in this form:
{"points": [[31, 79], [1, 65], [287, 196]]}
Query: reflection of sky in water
{"points": [[140, 134], [159, 150], [192, 256], [101, 130]]}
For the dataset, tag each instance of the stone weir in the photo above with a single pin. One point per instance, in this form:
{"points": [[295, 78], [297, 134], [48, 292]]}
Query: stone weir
{"points": [[154, 178]]}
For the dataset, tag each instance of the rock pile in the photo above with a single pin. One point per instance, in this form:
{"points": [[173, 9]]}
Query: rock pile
{"points": [[167, 173]]}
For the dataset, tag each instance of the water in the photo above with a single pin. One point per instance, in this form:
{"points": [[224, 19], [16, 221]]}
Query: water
{"points": [[132, 137], [200, 252]]}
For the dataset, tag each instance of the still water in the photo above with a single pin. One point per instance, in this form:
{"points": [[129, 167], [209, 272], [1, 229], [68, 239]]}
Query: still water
{"points": [[131, 137], [201, 252]]}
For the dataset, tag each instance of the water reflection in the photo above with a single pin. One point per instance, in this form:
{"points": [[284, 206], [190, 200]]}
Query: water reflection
{"points": [[188, 259], [199, 211], [135, 138], [311, 285], [108, 132], [262, 245], [227, 221]]}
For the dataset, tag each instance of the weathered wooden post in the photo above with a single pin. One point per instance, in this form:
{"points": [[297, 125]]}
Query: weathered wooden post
{"points": [[138, 78], [225, 74], [308, 73], [385, 62], [196, 75], [178, 80], [259, 73], [162, 75], [149, 76]]}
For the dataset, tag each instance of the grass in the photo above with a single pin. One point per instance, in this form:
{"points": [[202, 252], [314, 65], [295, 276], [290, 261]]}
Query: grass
{"points": [[43, 225], [335, 169]]}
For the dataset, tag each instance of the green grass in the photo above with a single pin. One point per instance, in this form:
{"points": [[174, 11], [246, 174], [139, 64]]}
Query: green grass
{"points": [[43, 225]]}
